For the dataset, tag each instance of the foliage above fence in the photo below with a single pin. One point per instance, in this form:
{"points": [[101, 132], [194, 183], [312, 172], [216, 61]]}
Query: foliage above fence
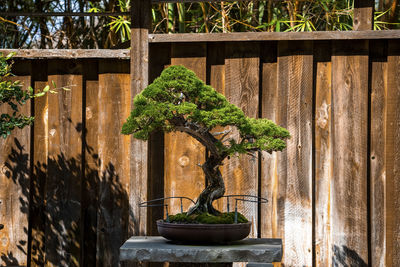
{"points": [[230, 16]]}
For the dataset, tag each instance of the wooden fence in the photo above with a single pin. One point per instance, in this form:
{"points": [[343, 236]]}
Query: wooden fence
{"points": [[70, 184]]}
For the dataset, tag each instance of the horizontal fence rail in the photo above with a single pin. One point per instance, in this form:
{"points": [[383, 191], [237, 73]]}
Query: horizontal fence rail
{"points": [[274, 36], [68, 53]]}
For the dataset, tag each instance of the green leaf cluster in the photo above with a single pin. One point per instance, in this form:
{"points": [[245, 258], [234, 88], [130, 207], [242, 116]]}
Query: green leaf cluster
{"points": [[12, 94], [178, 98]]}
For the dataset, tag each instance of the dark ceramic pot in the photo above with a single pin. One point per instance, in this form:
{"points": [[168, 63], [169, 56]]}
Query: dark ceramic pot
{"points": [[203, 233]]}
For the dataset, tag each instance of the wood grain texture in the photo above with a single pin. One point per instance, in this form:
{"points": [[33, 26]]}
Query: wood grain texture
{"points": [[242, 63], [363, 18], [63, 184], [160, 57], [15, 189], [115, 155], [270, 105], [68, 53], [392, 157], [216, 78], [350, 137], [295, 61], [91, 182], [182, 176], [377, 150], [40, 156], [140, 25], [323, 155], [273, 36]]}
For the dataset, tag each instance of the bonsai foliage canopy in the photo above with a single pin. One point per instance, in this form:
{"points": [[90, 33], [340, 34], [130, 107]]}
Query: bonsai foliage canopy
{"points": [[179, 101]]}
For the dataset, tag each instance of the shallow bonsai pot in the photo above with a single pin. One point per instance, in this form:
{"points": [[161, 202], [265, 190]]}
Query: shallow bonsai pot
{"points": [[203, 233]]}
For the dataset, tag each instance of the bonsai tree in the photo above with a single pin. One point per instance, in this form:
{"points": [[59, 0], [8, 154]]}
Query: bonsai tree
{"points": [[179, 101]]}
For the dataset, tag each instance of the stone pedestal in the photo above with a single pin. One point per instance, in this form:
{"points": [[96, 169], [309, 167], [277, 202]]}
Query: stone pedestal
{"points": [[158, 249]]}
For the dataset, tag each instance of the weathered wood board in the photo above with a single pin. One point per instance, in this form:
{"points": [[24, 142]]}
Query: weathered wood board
{"points": [[114, 106], [323, 155], [216, 78], [64, 173], [15, 188], [183, 177], [40, 156], [350, 149], [269, 104], [295, 61], [91, 181], [242, 65], [379, 90], [392, 157]]}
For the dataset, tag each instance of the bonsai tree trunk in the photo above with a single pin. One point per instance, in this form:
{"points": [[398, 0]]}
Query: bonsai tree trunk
{"points": [[215, 188]]}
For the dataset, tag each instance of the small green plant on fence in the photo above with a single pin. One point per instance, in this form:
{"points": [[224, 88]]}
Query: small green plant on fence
{"points": [[179, 101], [13, 95]]}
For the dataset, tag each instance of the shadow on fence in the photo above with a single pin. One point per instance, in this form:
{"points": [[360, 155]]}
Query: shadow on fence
{"points": [[75, 209]]}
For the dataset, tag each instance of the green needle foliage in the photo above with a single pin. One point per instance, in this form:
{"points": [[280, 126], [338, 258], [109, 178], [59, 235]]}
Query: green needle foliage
{"points": [[179, 101]]}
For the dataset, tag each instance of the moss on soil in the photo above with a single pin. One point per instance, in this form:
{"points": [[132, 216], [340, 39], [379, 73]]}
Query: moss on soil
{"points": [[223, 218]]}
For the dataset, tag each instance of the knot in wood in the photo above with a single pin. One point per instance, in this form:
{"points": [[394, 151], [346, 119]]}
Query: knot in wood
{"points": [[89, 113], [184, 161], [5, 170]]}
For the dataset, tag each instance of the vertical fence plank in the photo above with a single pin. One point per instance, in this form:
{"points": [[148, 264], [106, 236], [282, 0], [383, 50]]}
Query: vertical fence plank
{"points": [[182, 152], [363, 18], [160, 57], [295, 62], [40, 154], [392, 156], [140, 26], [216, 78], [63, 186], [90, 185], [242, 63], [114, 106], [350, 135], [377, 150], [269, 108], [15, 188], [323, 154]]}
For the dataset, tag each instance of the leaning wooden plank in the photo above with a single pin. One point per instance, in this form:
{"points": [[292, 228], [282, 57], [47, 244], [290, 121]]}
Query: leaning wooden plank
{"points": [[40, 155], [323, 154], [379, 98], [242, 65], [349, 148], [114, 106], [64, 172], [392, 156], [295, 86], [274, 36], [15, 189], [183, 177], [269, 107]]}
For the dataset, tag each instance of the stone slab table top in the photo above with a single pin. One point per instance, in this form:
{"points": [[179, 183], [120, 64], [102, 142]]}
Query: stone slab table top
{"points": [[159, 249]]}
